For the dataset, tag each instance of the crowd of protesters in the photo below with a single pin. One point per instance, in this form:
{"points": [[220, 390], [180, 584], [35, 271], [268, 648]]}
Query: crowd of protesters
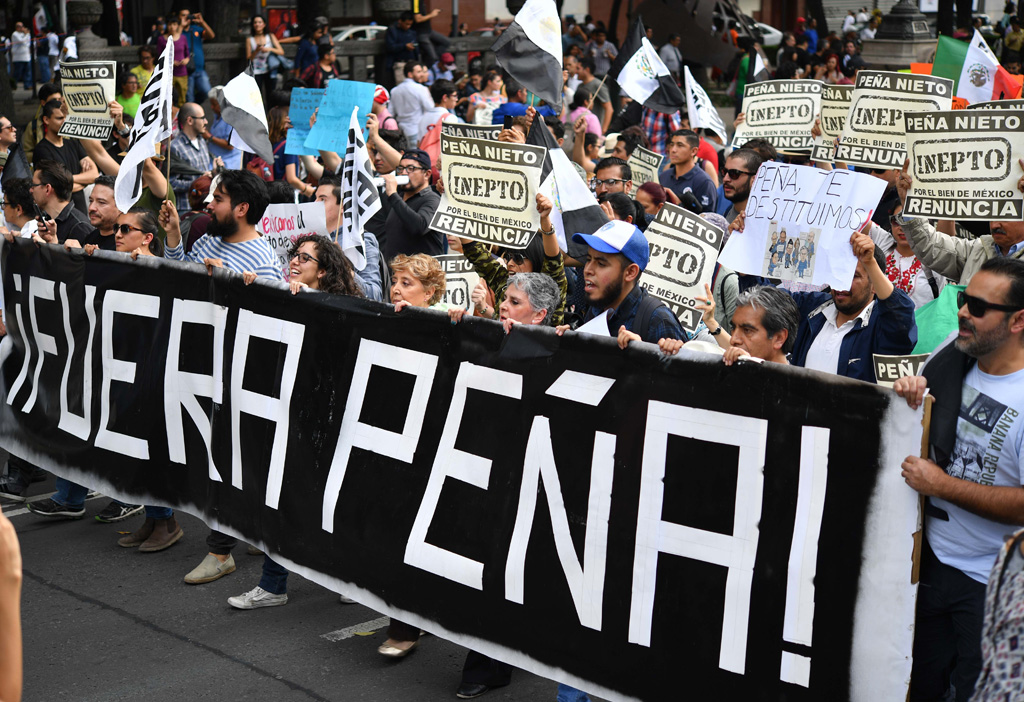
{"points": [[60, 191]]}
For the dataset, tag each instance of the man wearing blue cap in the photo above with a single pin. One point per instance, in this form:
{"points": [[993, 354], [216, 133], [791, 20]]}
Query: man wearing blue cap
{"points": [[617, 254]]}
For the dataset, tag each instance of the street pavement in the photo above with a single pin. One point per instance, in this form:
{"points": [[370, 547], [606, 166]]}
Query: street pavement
{"points": [[106, 623]]}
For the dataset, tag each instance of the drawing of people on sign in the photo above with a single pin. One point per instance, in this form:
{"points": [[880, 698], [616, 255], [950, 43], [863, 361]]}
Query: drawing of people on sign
{"points": [[790, 255]]}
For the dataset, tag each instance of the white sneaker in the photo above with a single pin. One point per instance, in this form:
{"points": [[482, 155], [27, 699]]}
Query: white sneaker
{"points": [[346, 600], [256, 598]]}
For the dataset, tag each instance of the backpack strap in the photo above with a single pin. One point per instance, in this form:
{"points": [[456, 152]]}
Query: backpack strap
{"points": [[644, 312]]}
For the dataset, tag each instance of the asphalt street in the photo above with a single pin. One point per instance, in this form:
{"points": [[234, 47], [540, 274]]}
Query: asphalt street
{"points": [[107, 623]]}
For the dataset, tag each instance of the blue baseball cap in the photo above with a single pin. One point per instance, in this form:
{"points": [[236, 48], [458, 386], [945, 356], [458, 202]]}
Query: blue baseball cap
{"points": [[619, 237]]}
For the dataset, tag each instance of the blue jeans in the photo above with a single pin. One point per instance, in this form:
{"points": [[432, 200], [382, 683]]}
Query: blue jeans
{"points": [[70, 494], [22, 72], [159, 512], [198, 86], [44, 69], [570, 694], [275, 577]]}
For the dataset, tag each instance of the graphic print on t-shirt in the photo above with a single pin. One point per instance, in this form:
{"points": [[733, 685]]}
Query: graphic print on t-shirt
{"points": [[982, 428]]}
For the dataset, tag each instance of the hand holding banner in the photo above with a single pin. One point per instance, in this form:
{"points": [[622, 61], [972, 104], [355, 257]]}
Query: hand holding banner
{"points": [[281, 225], [835, 104]]}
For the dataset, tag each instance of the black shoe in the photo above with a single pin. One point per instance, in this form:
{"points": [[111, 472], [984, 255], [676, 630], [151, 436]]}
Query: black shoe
{"points": [[468, 691], [51, 508], [116, 511], [11, 492]]}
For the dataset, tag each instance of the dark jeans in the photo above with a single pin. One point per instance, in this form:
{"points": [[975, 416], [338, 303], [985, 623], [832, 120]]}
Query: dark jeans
{"points": [[481, 670], [275, 577], [220, 544], [400, 631], [432, 46], [947, 638]]}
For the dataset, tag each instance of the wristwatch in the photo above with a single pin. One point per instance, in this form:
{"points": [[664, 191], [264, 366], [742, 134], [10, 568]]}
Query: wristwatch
{"points": [[125, 132], [716, 332]]}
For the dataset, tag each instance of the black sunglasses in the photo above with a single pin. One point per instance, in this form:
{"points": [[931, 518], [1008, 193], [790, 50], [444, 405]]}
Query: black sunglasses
{"points": [[976, 307], [127, 228], [735, 173], [513, 256]]}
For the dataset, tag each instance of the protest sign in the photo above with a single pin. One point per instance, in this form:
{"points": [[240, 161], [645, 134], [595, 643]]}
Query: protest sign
{"points": [[533, 483], [875, 134], [646, 165], [460, 278], [781, 111], [281, 225], [88, 87], [304, 101], [964, 164], [474, 131], [997, 105], [330, 133], [684, 248], [799, 221], [490, 190], [835, 104], [889, 369]]}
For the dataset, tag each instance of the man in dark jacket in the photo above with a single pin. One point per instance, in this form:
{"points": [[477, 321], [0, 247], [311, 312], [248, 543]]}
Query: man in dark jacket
{"points": [[841, 329]]}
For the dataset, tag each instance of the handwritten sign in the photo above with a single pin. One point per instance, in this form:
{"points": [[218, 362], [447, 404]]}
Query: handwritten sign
{"points": [[88, 88], [281, 225], [875, 132], [781, 111], [304, 102], [330, 133]]}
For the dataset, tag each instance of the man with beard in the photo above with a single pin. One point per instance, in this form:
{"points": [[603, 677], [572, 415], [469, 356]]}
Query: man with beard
{"points": [[841, 329], [103, 214], [409, 208], [231, 241], [740, 168], [978, 413]]}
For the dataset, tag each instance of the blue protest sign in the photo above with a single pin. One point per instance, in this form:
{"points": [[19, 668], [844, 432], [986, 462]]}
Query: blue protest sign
{"points": [[330, 133], [304, 101]]}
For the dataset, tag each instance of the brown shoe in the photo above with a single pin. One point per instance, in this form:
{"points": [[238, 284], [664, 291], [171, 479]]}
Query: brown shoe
{"points": [[139, 536], [166, 532]]}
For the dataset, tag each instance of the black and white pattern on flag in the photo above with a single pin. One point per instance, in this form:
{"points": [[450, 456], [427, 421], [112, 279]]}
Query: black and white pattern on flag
{"points": [[530, 50], [874, 135], [360, 199], [88, 88], [678, 494], [781, 111], [684, 249], [490, 190], [965, 164], [642, 74], [242, 107], [703, 113]]}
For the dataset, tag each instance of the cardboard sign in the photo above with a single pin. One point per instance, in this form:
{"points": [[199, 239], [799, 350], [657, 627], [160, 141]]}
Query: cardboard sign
{"points": [[998, 105], [889, 369], [88, 87], [474, 131], [460, 279], [281, 225], [646, 165], [490, 188], [330, 133], [875, 133], [684, 249], [835, 104], [781, 111], [964, 164], [799, 221], [304, 102]]}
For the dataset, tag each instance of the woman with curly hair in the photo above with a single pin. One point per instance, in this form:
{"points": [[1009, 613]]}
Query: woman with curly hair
{"points": [[317, 263], [416, 281]]}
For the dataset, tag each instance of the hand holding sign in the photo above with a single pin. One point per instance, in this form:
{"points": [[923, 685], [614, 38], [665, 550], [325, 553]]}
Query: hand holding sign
{"points": [[904, 181]]}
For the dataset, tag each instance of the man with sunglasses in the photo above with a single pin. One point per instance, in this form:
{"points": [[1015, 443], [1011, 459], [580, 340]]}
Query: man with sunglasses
{"points": [[409, 209], [956, 258], [889, 198], [740, 168], [973, 477]]}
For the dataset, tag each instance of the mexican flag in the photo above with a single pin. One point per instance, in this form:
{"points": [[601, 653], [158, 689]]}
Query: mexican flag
{"points": [[976, 70]]}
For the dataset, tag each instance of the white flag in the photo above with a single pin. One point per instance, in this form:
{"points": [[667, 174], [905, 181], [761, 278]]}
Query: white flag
{"points": [[978, 76], [152, 125], [360, 198], [702, 112]]}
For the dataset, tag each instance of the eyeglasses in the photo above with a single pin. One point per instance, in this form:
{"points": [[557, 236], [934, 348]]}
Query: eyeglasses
{"points": [[894, 219], [304, 258], [735, 173], [513, 257], [598, 182], [976, 307], [6, 127], [127, 228], [878, 171], [402, 170], [36, 185]]}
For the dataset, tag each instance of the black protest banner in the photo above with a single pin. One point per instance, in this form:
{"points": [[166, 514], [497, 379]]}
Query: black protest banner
{"points": [[88, 87], [489, 190], [964, 164], [460, 279], [645, 164], [781, 111], [889, 369], [835, 104], [473, 131], [684, 249], [400, 459], [874, 134], [997, 105]]}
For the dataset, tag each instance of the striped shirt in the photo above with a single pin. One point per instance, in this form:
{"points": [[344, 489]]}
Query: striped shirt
{"points": [[254, 255]]}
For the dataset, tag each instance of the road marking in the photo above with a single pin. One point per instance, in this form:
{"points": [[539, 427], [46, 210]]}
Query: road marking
{"points": [[36, 498], [350, 631]]}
